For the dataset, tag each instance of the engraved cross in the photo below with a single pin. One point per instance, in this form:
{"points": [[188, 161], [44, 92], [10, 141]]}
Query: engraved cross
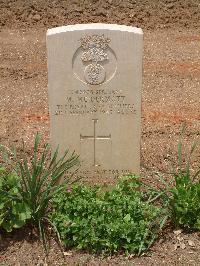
{"points": [[94, 137]]}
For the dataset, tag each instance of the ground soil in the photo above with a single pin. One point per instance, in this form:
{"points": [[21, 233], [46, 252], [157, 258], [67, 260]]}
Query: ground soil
{"points": [[170, 97]]}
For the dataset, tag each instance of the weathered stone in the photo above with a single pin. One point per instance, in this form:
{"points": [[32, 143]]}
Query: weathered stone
{"points": [[95, 79]]}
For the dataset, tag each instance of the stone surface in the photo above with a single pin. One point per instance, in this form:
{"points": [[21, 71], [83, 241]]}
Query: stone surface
{"points": [[94, 81]]}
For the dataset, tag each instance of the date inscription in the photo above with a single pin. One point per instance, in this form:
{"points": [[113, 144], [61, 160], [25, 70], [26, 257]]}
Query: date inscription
{"points": [[99, 173]]}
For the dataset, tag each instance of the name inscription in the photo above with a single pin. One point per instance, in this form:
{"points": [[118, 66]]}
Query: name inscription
{"points": [[79, 102]]}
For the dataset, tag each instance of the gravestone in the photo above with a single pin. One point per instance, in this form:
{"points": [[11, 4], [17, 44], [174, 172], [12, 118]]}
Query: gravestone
{"points": [[94, 82]]}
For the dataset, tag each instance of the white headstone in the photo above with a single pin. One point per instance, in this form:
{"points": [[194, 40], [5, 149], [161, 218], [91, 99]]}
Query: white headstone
{"points": [[94, 81]]}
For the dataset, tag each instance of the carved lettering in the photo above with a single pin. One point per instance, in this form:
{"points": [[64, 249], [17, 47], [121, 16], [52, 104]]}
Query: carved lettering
{"points": [[100, 172], [81, 102]]}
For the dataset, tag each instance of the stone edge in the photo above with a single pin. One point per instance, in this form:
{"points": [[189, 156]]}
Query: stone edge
{"points": [[94, 26]]}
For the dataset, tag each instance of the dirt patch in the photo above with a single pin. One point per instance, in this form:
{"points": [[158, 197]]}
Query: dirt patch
{"points": [[147, 14], [173, 249], [176, 68]]}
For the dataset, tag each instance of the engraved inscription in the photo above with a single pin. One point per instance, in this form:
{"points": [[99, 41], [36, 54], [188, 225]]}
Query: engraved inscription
{"points": [[94, 137], [101, 101], [99, 173], [94, 51]]}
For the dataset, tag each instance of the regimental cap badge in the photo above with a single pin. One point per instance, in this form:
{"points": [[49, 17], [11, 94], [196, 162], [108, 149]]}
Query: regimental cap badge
{"points": [[94, 47], [94, 41]]}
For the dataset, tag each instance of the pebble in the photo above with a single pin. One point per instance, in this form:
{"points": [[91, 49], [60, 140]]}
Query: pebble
{"points": [[36, 17]]}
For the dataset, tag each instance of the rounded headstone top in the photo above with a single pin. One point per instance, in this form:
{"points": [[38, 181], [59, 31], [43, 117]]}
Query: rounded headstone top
{"points": [[94, 26]]}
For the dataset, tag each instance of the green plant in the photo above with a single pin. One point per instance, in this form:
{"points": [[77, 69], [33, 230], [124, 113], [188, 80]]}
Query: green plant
{"points": [[182, 195], [105, 222], [185, 195], [13, 212], [40, 180]]}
